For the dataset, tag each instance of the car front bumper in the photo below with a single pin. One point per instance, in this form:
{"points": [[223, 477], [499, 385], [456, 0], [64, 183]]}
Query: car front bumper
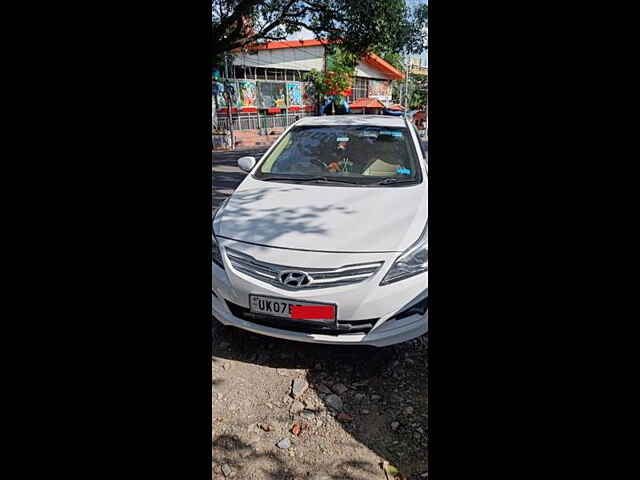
{"points": [[365, 300]]}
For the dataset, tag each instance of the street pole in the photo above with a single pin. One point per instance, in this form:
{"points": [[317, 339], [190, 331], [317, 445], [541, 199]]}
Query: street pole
{"points": [[229, 98], [406, 82], [215, 105]]}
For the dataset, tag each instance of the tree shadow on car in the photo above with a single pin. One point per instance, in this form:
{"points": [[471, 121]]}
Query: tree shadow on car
{"points": [[265, 225], [383, 392]]}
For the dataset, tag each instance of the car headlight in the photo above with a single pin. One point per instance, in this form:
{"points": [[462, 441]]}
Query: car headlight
{"points": [[216, 255], [412, 262]]}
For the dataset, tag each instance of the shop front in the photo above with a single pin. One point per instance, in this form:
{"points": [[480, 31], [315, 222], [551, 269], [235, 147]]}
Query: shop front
{"points": [[265, 89]]}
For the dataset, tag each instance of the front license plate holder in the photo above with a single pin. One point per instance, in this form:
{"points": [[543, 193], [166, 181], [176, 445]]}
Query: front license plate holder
{"points": [[291, 309]]}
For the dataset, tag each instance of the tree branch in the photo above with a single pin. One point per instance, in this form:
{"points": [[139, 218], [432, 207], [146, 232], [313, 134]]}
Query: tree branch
{"points": [[275, 23], [242, 9]]}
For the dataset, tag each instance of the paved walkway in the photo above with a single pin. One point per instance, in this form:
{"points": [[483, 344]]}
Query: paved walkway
{"points": [[251, 139]]}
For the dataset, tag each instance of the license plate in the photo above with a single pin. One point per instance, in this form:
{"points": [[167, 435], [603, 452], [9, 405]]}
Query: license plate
{"points": [[282, 307]]}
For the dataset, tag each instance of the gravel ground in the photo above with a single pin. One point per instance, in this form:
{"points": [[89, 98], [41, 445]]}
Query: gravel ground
{"points": [[354, 408]]}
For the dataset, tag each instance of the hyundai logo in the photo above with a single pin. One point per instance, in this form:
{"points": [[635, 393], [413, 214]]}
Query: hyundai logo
{"points": [[294, 278]]}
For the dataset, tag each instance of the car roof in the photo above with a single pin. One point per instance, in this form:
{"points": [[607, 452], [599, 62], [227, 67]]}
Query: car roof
{"points": [[353, 120]]}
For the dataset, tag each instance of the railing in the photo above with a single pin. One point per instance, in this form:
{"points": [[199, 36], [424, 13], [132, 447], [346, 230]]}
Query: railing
{"points": [[253, 122]]}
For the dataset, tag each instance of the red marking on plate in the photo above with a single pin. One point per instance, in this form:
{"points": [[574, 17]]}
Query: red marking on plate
{"points": [[323, 312]]}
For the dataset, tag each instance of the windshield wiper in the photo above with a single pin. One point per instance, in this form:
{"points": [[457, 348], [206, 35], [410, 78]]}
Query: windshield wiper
{"points": [[308, 179], [393, 180]]}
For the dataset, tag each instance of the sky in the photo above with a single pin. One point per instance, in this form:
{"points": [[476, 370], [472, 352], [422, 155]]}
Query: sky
{"points": [[303, 34]]}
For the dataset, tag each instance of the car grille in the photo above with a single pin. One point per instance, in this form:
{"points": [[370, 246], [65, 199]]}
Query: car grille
{"points": [[319, 277], [340, 327]]}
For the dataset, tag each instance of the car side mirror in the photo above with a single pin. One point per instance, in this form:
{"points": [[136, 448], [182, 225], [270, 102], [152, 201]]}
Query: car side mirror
{"points": [[246, 163]]}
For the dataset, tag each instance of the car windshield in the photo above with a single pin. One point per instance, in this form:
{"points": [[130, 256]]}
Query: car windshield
{"points": [[346, 154]]}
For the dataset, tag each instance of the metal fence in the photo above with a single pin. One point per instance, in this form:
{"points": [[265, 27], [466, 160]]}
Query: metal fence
{"points": [[253, 122]]}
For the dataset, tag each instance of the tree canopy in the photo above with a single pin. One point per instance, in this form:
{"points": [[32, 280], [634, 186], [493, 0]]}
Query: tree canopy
{"points": [[358, 26]]}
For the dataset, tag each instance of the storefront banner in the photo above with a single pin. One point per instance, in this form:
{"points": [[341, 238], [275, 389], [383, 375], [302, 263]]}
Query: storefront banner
{"points": [[281, 102], [272, 95], [294, 94], [222, 102], [380, 90], [248, 93]]}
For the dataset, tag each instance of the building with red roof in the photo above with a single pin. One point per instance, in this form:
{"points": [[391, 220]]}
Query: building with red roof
{"points": [[269, 79]]}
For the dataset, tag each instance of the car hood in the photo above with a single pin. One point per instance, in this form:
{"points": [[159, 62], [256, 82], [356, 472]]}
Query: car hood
{"points": [[322, 217]]}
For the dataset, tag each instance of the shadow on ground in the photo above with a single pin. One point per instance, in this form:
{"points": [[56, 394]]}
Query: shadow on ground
{"points": [[379, 387]]}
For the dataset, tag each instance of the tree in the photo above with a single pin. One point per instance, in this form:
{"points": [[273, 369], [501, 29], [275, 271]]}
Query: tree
{"points": [[417, 86], [419, 94], [394, 59], [358, 26], [336, 80]]}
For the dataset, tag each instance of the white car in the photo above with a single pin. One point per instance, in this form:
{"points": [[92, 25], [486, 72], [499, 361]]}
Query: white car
{"points": [[325, 240]]}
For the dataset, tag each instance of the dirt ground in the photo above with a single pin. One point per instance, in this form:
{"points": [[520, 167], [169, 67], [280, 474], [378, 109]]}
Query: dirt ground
{"points": [[354, 408]]}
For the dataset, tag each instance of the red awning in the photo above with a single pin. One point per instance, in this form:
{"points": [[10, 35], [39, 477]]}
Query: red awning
{"points": [[284, 44], [273, 110], [366, 103]]}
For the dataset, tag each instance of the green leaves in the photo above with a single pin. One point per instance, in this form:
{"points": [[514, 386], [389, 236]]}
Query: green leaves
{"points": [[341, 60], [360, 26], [337, 79]]}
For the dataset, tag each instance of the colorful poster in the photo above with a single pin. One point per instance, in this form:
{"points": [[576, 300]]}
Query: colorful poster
{"points": [[380, 90], [218, 89], [222, 102], [294, 94], [272, 94], [248, 93], [281, 101], [265, 96]]}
